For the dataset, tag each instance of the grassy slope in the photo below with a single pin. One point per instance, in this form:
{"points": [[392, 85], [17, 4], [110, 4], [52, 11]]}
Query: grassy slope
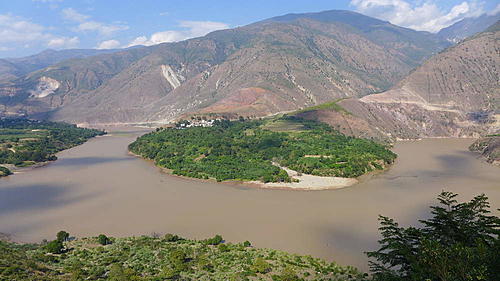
{"points": [[147, 258], [333, 105]]}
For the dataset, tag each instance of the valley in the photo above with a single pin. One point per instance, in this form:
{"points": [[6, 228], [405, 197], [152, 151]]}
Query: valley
{"points": [[98, 188], [321, 137]]}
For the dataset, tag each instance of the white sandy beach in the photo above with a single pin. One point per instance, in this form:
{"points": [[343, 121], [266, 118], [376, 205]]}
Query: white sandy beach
{"points": [[309, 182]]}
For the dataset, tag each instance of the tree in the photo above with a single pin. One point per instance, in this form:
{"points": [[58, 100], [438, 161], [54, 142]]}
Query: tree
{"points": [[459, 242], [62, 236], [103, 239], [216, 240], [54, 247]]}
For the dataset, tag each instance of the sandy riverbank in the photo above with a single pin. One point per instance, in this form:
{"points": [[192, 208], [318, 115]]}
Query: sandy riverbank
{"points": [[308, 182]]}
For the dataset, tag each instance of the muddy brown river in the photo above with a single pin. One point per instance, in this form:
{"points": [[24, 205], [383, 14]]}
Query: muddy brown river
{"points": [[98, 188]]}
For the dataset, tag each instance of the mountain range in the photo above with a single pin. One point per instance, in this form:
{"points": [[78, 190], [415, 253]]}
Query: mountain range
{"points": [[13, 68], [282, 64], [468, 27], [454, 93]]}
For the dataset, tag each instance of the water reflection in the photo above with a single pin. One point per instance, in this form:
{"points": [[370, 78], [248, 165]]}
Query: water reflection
{"points": [[36, 197]]}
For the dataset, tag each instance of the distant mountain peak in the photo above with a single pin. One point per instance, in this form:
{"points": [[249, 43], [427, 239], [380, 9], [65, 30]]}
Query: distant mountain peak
{"points": [[468, 27]]}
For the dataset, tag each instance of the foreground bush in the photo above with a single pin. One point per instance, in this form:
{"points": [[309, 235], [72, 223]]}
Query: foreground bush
{"points": [[460, 242], [168, 258]]}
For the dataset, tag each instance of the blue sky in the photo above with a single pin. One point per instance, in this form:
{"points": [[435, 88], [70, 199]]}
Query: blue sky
{"points": [[30, 26]]}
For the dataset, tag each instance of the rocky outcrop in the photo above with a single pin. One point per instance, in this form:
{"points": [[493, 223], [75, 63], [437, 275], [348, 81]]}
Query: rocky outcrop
{"points": [[170, 75], [489, 148], [46, 86]]}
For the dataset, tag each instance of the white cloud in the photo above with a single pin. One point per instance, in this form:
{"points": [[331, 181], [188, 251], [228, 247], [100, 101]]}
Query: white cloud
{"points": [[17, 30], [109, 44], [84, 24], [420, 15], [201, 28], [72, 15], [64, 42], [102, 28], [189, 29]]}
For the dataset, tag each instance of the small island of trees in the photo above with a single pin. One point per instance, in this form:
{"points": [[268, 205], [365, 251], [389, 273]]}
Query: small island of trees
{"points": [[255, 149]]}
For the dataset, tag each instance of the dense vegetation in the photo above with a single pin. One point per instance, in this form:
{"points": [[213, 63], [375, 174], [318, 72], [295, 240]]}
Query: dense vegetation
{"points": [[246, 150], [24, 142], [460, 242], [166, 258]]}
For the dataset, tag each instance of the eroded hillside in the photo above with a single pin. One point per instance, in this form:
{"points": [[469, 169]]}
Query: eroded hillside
{"points": [[455, 93], [280, 64]]}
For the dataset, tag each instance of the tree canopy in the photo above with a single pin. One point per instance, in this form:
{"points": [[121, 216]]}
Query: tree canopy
{"points": [[246, 150], [24, 142], [459, 242]]}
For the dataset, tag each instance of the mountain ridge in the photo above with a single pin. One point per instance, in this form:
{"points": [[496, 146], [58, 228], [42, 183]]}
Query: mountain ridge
{"points": [[454, 93], [280, 64], [24, 65]]}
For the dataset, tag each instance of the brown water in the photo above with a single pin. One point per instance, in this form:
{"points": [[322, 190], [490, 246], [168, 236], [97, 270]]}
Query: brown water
{"points": [[98, 188]]}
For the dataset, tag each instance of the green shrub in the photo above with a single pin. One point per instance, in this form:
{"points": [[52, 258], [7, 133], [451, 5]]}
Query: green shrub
{"points": [[172, 238], [55, 247], [62, 236], [216, 240], [4, 172], [103, 239], [261, 266]]}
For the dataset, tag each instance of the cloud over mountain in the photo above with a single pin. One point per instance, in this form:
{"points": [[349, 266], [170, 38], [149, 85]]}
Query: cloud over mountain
{"points": [[422, 15], [109, 44], [189, 29]]}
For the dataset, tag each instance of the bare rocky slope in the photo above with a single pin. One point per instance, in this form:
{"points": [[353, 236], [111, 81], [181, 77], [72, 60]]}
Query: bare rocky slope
{"points": [[454, 93], [489, 148], [280, 64]]}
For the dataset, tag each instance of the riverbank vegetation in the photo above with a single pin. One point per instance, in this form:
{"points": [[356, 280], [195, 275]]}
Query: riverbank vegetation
{"points": [[24, 142], [249, 150], [161, 258]]}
